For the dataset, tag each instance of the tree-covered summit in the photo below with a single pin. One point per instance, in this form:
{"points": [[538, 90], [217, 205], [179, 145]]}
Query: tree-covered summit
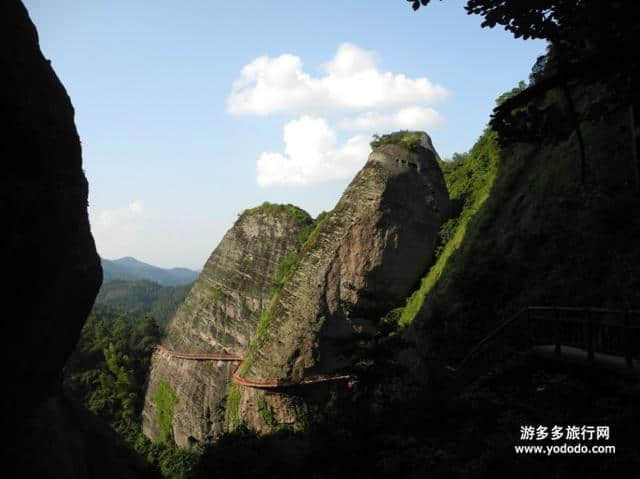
{"points": [[409, 140], [301, 216]]}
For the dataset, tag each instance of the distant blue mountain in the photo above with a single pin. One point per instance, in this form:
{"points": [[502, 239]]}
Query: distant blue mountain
{"points": [[130, 269]]}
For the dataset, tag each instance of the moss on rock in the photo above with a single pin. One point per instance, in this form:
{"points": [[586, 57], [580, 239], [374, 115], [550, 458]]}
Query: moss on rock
{"points": [[166, 400]]}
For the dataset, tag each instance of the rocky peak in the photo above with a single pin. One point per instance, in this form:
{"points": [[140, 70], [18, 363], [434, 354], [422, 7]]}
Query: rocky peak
{"points": [[219, 315], [363, 259], [419, 155]]}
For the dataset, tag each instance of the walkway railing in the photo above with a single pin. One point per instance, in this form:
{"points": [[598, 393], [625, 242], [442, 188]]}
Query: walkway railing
{"points": [[594, 330], [260, 384], [600, 330]]}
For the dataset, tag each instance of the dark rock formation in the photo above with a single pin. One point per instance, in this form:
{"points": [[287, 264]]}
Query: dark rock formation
{"points": [[363, 259], [62, 439], [220, 315], [47, 252]]}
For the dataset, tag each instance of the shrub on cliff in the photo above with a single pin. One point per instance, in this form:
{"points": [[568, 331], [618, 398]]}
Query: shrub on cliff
{"points": [[301, 216], [410, 141]]}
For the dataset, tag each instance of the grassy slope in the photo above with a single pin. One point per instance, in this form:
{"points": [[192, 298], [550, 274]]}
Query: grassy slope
{"points": [[539, 238], [286, 268], [469, 183]]}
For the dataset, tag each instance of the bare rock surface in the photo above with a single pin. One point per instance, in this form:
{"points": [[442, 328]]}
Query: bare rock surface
{"points": [[219, 315]]}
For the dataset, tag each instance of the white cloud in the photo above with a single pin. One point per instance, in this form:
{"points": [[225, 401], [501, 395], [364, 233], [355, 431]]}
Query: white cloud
{"points": [[351, 82], [409, 118], [312, 155], [110, 218]]}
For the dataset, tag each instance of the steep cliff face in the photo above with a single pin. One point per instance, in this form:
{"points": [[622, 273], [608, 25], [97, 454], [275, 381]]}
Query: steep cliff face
{"points": [[364, 258], [219, 315], [47, 251]]}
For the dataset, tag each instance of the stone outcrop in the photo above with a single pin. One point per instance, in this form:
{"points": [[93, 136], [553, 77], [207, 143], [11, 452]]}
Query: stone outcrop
{"points": [[219, 315], [364, 258], [47, 252], [52, 269]]}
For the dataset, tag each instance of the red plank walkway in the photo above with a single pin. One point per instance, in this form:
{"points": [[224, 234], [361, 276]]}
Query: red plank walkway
{"points": [[270, 384]]}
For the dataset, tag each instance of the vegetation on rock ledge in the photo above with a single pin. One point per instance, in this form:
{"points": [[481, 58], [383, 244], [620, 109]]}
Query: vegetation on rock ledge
{"points": [[301, 216], [307, 237], [166, 400], [469, 178], [409, 140], [231, 410], [265, 412]]}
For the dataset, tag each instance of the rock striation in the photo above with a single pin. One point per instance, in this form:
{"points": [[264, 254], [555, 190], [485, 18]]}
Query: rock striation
{"points": [[364, 258], [219, 315]]}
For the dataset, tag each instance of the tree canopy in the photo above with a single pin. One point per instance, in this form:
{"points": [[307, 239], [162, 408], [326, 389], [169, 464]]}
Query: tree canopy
{"points": [[589, 40], [581, 25]]}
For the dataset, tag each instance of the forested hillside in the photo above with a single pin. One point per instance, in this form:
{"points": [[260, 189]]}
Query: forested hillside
{"points": [[107, 371], [142, 298]]}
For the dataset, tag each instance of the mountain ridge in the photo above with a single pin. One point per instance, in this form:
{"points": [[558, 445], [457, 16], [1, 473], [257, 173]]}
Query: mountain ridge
{"points": [[129, 268]]}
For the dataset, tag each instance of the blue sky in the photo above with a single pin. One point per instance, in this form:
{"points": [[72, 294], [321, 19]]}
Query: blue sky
{"points": [[190, 112]]}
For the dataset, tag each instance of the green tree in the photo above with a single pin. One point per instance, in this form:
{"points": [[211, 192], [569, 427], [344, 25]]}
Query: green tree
{"points": [[511, 93], [581, 24]]}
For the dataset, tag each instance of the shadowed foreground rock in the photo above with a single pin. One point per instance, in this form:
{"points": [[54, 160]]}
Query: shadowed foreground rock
{"points": [[52, 268], [47, 252]]}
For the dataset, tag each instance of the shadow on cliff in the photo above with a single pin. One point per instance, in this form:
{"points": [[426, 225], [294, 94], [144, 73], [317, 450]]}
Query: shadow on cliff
{"points": [[47, 251], [471, 435], [61, 438], [541, 238]]}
